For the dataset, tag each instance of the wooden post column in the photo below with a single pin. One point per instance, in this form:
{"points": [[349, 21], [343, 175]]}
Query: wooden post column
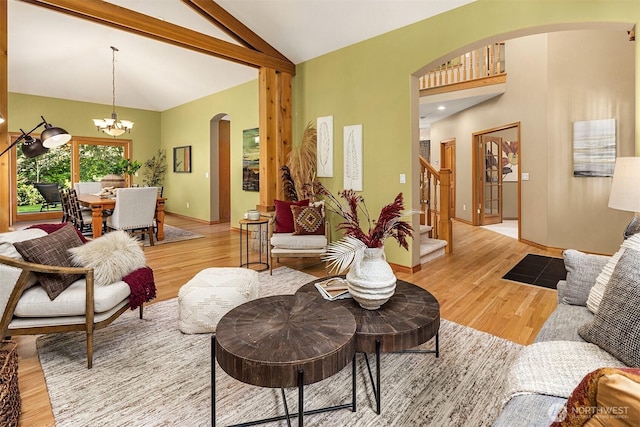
{"points": [[275, 133], [5, 205]]}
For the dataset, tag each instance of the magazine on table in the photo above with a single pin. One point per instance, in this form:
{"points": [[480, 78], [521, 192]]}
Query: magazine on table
{"points": [[333, 289]]}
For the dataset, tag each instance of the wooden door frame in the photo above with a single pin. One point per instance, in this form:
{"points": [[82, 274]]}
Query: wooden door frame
{"points": [[452, 143], [475, 173]]}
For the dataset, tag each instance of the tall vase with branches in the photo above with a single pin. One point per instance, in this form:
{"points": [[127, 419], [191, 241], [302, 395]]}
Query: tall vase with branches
{"points": [[370, 279]]}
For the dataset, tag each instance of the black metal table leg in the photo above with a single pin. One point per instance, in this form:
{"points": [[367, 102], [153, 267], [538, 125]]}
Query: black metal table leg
{"points": [[301, 412], [213, 380]]}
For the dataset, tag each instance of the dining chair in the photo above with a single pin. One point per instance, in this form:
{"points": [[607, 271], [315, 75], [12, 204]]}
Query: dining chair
{"points": [[81, 218], [88, 187], [134, 211]]}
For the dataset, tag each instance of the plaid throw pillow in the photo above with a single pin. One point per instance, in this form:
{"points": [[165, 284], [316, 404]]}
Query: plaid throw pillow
{"points": [[52, 249], [307, 220]]}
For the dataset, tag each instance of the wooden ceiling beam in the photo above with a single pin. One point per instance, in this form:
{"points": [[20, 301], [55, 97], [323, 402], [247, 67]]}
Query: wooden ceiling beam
{"points": [[222, 19], [128, 20]]}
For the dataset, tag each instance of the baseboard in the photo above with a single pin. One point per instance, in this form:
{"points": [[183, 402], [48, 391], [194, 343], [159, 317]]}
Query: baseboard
{"points": [[201, 221]]}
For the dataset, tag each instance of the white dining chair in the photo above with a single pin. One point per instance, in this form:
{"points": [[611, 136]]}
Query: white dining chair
{"points": [[88, 187], [134, 211]]}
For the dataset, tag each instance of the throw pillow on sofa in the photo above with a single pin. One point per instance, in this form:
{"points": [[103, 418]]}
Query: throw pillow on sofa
{"points": [[308, 220], [284, 217], [597, 291], [582, 271], [616, 325], [111, 256], [606, 396], [52, 250]]}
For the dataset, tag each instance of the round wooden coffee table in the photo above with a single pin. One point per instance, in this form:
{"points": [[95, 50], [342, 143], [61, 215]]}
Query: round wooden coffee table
{"points": [[411, 317], [286, 341]]}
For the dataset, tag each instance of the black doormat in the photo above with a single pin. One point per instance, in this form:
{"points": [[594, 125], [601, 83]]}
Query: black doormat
{"points": [[538, 270]]}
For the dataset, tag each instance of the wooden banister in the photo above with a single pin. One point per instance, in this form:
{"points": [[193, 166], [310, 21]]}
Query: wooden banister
{"points": [[435, 202]]}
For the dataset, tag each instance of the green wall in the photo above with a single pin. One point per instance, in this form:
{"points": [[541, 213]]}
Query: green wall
{"points": [[76, 118], [371, 83], [189, 125]]}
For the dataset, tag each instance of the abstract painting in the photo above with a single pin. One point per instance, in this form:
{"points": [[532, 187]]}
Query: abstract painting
{"points": [[594, 148], [251, 160]]}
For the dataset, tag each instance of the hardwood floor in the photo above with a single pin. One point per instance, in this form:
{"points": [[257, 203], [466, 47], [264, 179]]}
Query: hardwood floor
{"points": [[467, 284]]}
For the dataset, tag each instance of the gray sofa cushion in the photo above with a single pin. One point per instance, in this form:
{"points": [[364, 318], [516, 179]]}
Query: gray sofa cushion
{"points": [[582, 271], [530, 410], [616, 325], [563, 323]]}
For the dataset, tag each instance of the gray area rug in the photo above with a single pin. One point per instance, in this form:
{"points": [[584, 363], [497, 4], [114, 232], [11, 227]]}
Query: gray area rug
{"points": [[147, 373], [174, 234]]}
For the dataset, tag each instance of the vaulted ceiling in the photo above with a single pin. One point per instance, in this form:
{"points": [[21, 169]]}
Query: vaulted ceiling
{"points": [[57, 55]]}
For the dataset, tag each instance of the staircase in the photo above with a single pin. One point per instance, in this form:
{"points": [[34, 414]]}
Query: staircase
{"points": [[430, 249]]}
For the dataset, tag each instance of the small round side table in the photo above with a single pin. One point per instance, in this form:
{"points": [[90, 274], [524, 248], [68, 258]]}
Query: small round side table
{"points": [[245, 224]]}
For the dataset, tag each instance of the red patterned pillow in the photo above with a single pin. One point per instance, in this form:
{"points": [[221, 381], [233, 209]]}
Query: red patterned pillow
{"points": [[307, 220], [284, 217]]}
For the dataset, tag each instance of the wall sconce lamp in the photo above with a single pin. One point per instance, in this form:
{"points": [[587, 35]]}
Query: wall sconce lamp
{"points": [[50, 137], [625, 191]]}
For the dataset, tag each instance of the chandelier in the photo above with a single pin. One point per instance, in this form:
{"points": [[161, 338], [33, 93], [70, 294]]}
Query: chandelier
{"points": [[112, 126]]}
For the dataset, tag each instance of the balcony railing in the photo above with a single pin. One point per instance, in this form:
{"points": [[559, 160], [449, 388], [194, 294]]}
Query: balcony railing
{"points": [[483, 63]]}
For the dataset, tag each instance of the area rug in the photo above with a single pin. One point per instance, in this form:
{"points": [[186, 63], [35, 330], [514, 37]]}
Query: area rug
{"points": [[147, 373], [538, 270], [174, 234]]}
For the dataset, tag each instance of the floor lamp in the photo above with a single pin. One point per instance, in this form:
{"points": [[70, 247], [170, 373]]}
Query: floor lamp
{"points": [[50, 137], [625, 191]]}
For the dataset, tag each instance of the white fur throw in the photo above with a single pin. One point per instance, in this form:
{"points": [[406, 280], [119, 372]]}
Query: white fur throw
{"points": [[111, 256]]}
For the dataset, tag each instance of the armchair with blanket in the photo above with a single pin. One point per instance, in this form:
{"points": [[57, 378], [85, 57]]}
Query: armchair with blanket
{"points": [[50, 281]]}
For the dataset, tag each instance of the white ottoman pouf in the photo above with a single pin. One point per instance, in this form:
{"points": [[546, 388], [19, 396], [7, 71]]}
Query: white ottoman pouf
{"points": [[203, 300]]}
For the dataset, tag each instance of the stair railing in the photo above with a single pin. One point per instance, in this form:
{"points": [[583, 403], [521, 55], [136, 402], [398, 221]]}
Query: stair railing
{"points": [[435, 202]]}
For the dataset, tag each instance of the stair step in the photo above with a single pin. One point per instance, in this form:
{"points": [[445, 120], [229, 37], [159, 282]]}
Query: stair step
{"points": [[431, 249], [425, 228]]}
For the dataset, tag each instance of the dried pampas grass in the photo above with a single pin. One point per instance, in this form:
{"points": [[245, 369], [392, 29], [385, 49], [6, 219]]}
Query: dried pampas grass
{"points": [[302, 162]]}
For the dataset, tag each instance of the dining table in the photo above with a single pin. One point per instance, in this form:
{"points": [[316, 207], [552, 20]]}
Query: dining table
{"points": [[99, 204]]}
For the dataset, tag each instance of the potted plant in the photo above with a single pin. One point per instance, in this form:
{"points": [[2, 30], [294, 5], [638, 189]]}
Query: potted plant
{"points": [[116, 178]]}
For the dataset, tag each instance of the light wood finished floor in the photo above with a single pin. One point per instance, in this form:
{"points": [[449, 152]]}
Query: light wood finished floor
{"points": [[467, 284]]}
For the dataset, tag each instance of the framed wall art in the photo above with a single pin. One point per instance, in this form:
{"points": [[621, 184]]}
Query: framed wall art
{"points": [[182, 159], [324, 144], [353, 157], [594, 148], [251, 159]]}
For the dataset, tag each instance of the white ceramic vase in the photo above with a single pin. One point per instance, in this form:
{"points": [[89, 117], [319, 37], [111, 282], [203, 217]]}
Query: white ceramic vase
{"points": [[370, 279]]}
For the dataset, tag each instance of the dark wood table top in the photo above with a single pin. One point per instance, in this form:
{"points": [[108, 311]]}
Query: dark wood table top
{"points": [[410, 318], [266, 341]]}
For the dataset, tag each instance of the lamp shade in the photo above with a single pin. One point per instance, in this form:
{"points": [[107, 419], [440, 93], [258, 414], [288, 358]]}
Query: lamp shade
{"points": [[54, 136], [32, 147], [625, 187]]}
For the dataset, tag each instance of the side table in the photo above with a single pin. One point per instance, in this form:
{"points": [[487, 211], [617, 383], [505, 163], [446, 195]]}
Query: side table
{"points": [[285, 341], [244, 249], [411, 317]]}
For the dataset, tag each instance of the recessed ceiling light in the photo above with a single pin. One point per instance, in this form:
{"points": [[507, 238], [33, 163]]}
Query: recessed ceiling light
{"points": [[442, 107]]}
